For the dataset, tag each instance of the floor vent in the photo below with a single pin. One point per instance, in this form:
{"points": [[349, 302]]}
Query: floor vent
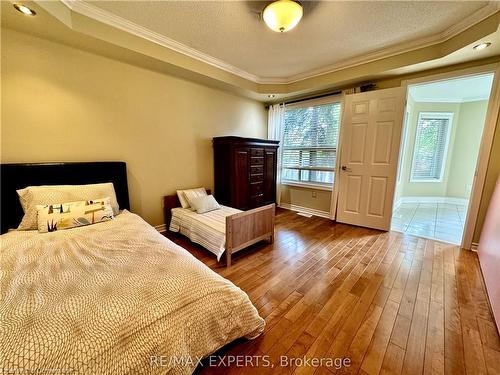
{"points": [[304, 214]]}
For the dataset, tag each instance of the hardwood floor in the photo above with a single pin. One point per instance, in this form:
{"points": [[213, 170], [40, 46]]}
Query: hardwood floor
{"points": [[391, 303]]}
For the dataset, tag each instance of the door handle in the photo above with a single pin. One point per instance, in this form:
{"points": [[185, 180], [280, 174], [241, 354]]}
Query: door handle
{"points": [[345, 169]]}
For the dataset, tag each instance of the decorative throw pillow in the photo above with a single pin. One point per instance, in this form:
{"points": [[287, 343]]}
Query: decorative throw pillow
{"points": [[32, 196], [186, 195], [204, 204], [59, 216]]}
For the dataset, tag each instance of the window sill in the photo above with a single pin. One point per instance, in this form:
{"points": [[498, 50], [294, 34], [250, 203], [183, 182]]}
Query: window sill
{"points": [[307, 186]]}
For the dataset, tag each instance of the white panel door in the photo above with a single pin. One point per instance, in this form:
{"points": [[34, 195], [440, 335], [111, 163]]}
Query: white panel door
{"points": [[370, 139]]}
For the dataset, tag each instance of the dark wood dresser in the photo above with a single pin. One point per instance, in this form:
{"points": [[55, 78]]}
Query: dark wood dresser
{"points": [[245, 171]]}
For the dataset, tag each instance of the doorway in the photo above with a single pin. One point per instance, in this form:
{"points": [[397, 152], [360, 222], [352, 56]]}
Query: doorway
{"points": [[442, 132]]}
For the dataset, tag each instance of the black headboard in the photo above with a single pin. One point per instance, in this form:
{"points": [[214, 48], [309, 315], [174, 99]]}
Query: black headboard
{"points": [[18, 176]]}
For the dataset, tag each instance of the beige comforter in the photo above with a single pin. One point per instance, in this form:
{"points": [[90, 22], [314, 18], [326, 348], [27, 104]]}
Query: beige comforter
{"points": [[113, 298]]}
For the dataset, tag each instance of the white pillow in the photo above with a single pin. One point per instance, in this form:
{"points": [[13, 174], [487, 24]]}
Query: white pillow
{"points": [[204, 204], [55, 217], [185, 195], [32, 196]]}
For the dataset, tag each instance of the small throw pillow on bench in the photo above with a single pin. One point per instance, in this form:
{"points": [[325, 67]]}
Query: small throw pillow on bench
{"points": [[203, 204]]}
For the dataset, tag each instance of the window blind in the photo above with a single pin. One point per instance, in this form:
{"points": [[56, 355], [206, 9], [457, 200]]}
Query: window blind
{"points": [[430, 146], [310, 143]]}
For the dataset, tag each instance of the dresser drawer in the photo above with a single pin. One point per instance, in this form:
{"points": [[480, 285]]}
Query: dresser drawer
{"points": [[256, 169], [256, 160], [256, 152], [256, 188], [256, 200], [257, 177]]}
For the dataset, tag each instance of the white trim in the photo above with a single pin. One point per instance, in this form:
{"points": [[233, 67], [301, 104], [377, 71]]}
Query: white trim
{"points": [[307, 210], [335, 193], [402, 144], [118, 22], [162, 228], [438, 115], [449, 200]]}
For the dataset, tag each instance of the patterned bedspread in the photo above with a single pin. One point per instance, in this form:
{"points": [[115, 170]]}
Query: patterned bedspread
{"points": [[113, 298], [208, 229]]}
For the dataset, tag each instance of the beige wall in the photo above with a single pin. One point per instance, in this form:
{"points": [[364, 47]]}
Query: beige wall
{"points": [[466, 148], [306, 197], [71, 103], [64, 104]]}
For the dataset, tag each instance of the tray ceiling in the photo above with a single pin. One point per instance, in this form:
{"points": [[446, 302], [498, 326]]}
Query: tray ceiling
{"points": [[331, 35], [95, 29]]}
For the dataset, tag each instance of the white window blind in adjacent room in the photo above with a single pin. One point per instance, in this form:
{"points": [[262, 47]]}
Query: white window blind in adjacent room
{"points": [[310, 140], [431, 146]]}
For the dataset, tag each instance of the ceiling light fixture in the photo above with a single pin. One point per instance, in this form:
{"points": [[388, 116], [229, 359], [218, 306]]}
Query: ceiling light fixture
{"points": [[282, 15], [24, 9], [480, 46]]}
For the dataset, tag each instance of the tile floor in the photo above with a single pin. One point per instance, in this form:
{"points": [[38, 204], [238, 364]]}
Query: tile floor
{"points": [[440, 221]]}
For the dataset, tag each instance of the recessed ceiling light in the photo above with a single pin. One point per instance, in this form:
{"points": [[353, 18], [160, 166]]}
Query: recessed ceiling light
{"points": [[24, 9], [481, 46], [271, 96], [282, 15]]}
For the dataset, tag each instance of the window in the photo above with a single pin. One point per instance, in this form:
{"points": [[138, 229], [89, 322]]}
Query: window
{"points": [[431, 144], [310, 140]]}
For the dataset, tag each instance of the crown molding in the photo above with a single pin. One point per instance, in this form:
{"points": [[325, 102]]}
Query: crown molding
{"points": [[118, 22], [478, 16]]}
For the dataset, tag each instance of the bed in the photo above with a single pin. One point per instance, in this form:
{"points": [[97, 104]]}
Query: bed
{"points": [[111, 298], [225, 230], [207, 230]]}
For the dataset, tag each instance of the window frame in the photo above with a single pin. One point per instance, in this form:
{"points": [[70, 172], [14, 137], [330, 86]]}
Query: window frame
{"points": [[432, 115], [309, 184]]}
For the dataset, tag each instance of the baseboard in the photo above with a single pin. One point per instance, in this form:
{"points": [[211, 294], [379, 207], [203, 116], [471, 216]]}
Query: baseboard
{"points": [[162, 228], [450, 200], [307, 210], [474, 246]]}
